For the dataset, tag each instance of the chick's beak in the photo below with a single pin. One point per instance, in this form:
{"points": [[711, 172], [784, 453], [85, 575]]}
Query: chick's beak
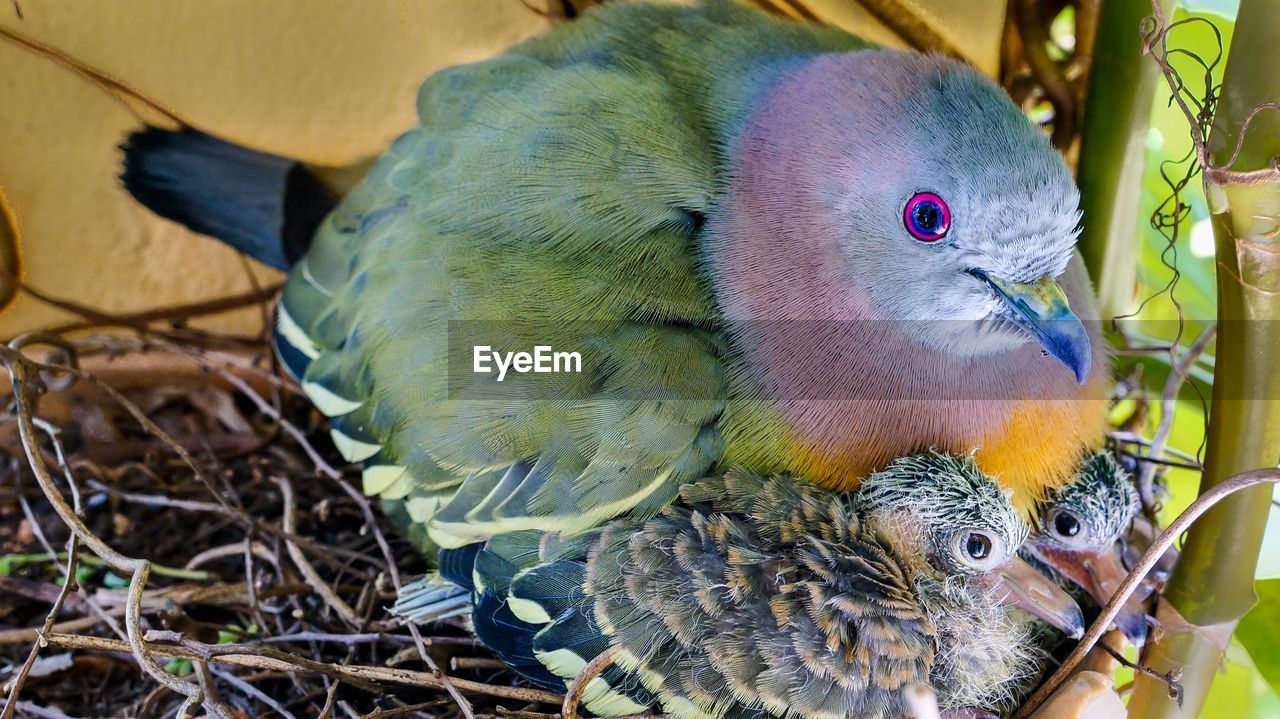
{"points": [[1019, 585], [1100, 573], [1042, 310]]}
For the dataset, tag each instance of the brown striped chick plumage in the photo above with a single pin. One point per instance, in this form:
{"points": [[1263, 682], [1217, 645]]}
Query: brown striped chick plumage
{"points": [[754, 596]]}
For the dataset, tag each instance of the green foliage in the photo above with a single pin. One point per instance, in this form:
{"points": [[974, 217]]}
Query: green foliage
{"points": [[1240, 691], [1259, 632], [1248, 684], [1168, 142], [179, 667], [111, 580]]}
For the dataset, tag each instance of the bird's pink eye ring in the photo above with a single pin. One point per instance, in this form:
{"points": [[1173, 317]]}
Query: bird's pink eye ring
{"points": [[927, 217]]}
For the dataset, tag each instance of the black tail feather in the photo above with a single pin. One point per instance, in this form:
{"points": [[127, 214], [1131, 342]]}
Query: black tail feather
{"points": [[264, 205]]}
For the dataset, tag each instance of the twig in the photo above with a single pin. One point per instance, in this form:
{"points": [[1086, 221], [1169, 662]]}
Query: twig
{"points": [[304, 565], [33, 634], [1035, 42], [265, 407], [1171, 679], [68, 585], [593, 669], [232, 512], [1168, 405], [181, 596], [267, 659], [25, 381], [457, 663], [252, 691], [1130, 438], [411, 708], [326, 637], [1149, 559], [116, 88], [370, 521], [910, 27], [330, 699], [257, 549], [137, 414], [200, 668], [1088, 15], [1155, 43], [156, 500], [64, 569], [366, 510], [139, 320], [61, 456], [1142, 458]]}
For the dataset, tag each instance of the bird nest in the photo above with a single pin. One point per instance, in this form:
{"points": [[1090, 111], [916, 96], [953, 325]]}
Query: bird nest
{"points": [[175, 531], [178, 534]]}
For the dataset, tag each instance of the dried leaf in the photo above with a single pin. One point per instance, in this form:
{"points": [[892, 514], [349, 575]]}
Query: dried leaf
{"points": [[47, 664]]}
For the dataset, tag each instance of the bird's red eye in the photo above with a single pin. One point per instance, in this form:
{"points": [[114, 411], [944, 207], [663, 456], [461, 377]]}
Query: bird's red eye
{"points": [[927, 217]]}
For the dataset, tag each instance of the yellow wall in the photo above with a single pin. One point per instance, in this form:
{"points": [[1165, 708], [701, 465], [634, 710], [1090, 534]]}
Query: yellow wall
{"points": [[330, 81], [327, 81]]}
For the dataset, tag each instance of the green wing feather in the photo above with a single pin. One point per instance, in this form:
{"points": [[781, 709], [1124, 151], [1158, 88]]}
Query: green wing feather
{"points": [[558, 190]]}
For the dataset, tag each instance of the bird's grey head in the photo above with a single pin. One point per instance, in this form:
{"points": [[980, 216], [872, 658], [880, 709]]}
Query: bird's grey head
{"points": [[1093, 510], [967, 520], [952, 212], [969, 529], [1082, 528]]}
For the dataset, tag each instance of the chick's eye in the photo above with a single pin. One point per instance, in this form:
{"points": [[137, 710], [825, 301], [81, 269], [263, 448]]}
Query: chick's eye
{"points": [[1066, 524], [927, 217], [977, 546]]}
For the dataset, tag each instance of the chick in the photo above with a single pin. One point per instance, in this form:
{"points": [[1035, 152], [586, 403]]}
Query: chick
{"points": [[757, 596], [1081, 540]]}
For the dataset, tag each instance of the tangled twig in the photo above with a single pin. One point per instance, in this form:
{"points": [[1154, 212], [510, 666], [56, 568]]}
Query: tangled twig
{"points": [[1168, 404], [304, 565], [266, 658], [26, 383], [15, 684], [121, 91], [263, 543], [1048, 73], [1155, 43]]}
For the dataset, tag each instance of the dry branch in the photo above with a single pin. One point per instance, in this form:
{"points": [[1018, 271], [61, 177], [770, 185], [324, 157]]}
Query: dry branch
{"points": [[367, 677]]}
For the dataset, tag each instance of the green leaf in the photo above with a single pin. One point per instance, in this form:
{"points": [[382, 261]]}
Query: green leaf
{"points": [[1259, 631], [84, 574], [114, 581]]}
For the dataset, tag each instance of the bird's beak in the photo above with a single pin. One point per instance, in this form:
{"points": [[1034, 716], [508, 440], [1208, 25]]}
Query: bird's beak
{"points": [[1018, 584], [1099, 572], [1041, 309]]}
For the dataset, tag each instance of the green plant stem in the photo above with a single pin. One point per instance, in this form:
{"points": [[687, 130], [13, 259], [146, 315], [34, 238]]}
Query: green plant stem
{"points": [[1122, 85], [16, 560], [1212, 587]]}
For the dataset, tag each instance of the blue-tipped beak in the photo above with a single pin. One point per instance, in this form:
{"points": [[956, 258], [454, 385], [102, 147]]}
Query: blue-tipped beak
{"points": [[1041, 309], [1099, 572], [1018, 584]]}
